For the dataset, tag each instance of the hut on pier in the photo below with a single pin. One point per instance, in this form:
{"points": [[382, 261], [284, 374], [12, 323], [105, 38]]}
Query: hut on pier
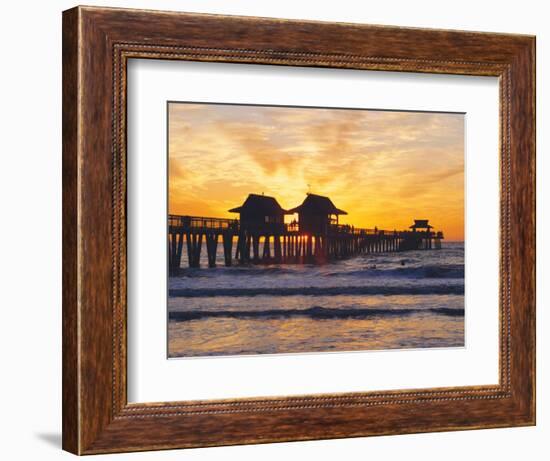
{"points": [[260, 213], [316, 214], [421, 225]]}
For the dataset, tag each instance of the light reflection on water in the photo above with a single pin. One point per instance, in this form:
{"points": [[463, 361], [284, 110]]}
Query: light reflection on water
{"points": [[223, 336]]}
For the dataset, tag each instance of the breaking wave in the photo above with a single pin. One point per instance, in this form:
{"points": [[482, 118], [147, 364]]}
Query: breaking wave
{"points": [[454, 289], [451, 271], [315, 312]]}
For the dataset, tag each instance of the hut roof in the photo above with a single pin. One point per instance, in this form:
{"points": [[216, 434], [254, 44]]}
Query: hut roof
{"points": [[420, 224], [317, 204], [260, 205]]}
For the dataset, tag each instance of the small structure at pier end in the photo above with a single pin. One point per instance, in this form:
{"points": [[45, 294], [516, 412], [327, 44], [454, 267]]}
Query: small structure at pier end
{"points": [[317, 214], [420, 224], [422, 237]]}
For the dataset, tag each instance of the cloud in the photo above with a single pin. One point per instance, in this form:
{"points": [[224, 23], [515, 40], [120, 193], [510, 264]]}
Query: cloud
{"points": [[384, 168]]}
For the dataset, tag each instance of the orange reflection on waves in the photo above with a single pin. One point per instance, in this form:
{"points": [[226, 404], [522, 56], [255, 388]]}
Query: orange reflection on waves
{"points": [[229, 336]]}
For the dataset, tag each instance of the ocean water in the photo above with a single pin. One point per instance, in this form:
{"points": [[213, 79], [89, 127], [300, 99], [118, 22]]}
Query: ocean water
{"points": [[411, 299]]}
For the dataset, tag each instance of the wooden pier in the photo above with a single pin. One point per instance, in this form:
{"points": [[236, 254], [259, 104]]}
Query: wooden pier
{"points": [[280, 243]]}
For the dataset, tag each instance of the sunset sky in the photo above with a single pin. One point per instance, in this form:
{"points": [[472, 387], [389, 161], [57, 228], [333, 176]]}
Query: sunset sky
{"points": [[384, 168]]}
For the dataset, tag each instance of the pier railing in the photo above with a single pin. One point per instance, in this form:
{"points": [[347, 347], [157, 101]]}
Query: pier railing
{"points": [[206, 223], [198, 222]]}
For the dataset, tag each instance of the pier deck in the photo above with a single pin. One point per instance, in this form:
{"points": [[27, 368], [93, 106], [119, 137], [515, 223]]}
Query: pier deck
{"points": [[278, 243]]}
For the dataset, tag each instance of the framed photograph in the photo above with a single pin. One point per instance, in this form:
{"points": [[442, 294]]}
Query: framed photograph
{"points": [[309, 276], [280, 230]]}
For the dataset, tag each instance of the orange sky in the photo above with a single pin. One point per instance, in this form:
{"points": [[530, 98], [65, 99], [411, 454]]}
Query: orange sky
{"points": [[384, 168]]}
